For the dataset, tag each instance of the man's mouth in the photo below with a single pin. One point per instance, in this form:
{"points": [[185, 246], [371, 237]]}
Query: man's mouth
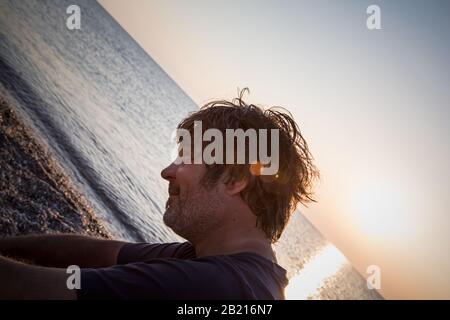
{"points": [[174, 191]]}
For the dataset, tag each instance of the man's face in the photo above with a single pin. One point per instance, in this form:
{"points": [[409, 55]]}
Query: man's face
{"points": [[192, 210]]}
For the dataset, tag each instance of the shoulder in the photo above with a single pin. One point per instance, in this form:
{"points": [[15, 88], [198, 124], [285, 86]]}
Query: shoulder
{"points": [[139, 252], [252, 275]]}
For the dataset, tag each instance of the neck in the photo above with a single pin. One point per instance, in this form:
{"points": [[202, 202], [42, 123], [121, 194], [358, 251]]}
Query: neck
{"points": [[235, 237]]}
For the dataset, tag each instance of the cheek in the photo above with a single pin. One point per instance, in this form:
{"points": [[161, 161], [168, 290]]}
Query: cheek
{"points": [[182, 175], [189, 175]]}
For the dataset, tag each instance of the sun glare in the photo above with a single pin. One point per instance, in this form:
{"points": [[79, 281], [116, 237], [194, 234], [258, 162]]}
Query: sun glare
{"points": [[307, 283], [381, 211]]}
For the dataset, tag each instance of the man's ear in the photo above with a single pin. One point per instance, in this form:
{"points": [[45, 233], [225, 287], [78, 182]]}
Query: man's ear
{"points": [[236, 187]]}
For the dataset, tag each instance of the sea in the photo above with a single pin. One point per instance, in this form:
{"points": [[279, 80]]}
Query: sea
{"points": [[107, 111]]}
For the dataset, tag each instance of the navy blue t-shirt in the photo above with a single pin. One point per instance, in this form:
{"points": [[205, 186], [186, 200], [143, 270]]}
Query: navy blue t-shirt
{"points": [[172, 271]]}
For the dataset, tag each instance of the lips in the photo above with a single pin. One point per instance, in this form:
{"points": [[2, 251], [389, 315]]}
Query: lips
{"points": [[174, 191]]}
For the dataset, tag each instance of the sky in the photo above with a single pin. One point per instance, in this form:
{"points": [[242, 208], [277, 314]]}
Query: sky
{"points": [[374, 106]]}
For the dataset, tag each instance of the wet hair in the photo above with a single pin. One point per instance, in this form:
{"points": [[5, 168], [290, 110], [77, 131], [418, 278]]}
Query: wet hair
{"points": [[272, 198]]}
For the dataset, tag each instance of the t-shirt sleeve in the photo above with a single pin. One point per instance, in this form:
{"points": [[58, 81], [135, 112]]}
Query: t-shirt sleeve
{"points": [[160, 279], [140, 252]]}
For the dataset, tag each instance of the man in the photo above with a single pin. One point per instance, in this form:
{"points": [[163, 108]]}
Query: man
{"points": [[230, 214]]}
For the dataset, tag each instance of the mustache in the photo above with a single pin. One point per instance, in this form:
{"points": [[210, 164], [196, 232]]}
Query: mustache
{"points": [[173, 189]]}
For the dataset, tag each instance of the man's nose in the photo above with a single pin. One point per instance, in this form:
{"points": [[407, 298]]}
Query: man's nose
{"points": [[169, 172]]}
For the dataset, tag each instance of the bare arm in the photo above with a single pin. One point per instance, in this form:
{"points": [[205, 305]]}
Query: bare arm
{"points": [[23, 281], [62, 250]]}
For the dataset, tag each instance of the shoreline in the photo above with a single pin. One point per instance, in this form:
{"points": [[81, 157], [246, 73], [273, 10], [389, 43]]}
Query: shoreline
{"points": [[36, 195]]}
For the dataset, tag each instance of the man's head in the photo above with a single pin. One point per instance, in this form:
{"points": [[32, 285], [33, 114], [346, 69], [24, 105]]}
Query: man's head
{"points": [[204, 197]]}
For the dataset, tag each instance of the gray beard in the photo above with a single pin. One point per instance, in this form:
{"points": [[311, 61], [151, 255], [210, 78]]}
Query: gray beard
{"points": [[194, 217]]}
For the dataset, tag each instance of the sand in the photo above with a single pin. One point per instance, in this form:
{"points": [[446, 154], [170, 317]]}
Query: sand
{"points": [[36, 196]]}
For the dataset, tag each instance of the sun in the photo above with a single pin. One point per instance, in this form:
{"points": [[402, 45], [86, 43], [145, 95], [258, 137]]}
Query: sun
{"points": [[381, 211]]}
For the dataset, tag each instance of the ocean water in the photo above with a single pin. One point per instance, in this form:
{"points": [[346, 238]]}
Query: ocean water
{"points": [[107, 111]]}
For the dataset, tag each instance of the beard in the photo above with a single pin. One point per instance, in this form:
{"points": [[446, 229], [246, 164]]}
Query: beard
{"points": [[193, 213]]}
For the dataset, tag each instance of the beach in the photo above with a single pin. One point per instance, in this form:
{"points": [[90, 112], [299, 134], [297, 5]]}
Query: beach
{"points": [[88, 130], [36, 196]]}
